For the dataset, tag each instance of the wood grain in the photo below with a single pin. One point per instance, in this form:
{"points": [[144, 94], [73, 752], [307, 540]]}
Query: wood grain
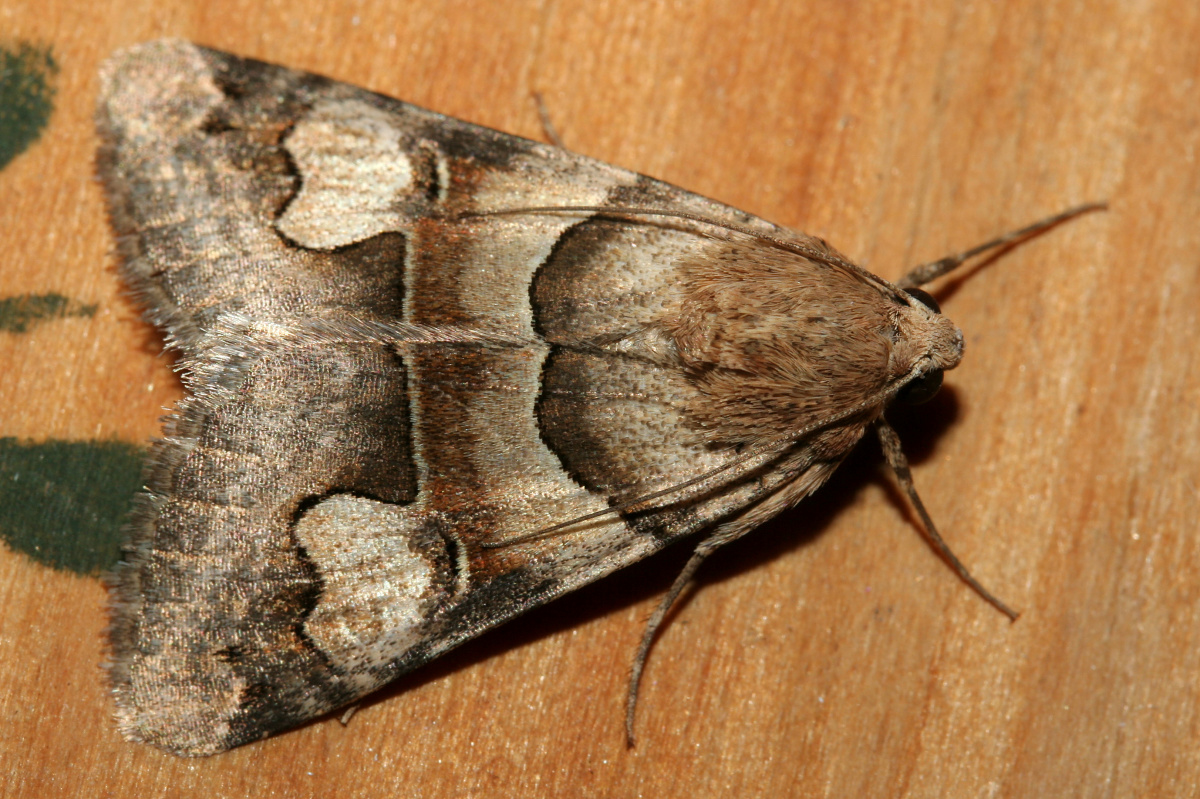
{"points": [[830, 654]]}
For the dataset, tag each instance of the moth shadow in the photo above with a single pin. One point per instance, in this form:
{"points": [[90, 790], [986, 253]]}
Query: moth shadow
{"points": [[919, 428]]}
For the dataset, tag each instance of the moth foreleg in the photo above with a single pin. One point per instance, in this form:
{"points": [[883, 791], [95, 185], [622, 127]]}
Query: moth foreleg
{"points": [[894, 454]]}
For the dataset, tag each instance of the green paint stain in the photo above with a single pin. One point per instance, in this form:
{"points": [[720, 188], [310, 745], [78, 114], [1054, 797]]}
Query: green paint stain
{"points": [[63, 503], [18, 313], [26, 97]]}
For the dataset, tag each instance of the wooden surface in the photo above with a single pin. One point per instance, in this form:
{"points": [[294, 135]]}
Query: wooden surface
{"points": [[829, 654]]}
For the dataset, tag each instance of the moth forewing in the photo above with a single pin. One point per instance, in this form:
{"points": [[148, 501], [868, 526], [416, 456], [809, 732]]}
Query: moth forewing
{"points": [[399, 374]]}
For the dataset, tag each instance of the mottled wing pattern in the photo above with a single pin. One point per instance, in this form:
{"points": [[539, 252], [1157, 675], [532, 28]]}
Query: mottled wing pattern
{"points": [[382, 381]]}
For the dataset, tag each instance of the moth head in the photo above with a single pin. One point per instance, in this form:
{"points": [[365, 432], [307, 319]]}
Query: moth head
{"points": [[930, 342]]}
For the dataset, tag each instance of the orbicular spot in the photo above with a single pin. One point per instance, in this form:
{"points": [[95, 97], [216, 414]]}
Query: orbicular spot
{"points": [[354, 170], [382, 577]]}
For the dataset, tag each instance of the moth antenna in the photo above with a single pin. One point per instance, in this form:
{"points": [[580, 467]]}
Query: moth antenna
{"points": [[547, 125], [896, 459], [920, 275]]}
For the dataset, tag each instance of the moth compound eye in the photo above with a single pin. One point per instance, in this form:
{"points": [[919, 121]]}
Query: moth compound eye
{"points": [[921, 389], [926, 299]]}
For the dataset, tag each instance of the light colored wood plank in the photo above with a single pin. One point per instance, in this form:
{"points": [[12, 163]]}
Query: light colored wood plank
{"points": [[831, 654]]}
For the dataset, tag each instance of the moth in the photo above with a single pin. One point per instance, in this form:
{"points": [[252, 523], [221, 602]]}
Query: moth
{"points": [[439, 375]]}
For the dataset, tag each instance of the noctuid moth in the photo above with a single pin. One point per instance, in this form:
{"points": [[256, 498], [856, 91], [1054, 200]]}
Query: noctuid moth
{"points": [[440, 375]]}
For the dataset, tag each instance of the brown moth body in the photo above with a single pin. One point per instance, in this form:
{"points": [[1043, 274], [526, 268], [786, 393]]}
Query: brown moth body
{"points": [[775, 342], [440, 375]]}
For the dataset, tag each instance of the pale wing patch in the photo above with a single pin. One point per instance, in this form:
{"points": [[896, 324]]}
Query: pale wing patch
{"points": [[166, 91], [352, 160], [379, 581], [201, 703]]}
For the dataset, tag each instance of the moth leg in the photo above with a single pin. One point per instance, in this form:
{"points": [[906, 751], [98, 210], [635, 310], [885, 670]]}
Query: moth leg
{"points": [[894, 454], [720, 537], [547, 123], [813, 475]]}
